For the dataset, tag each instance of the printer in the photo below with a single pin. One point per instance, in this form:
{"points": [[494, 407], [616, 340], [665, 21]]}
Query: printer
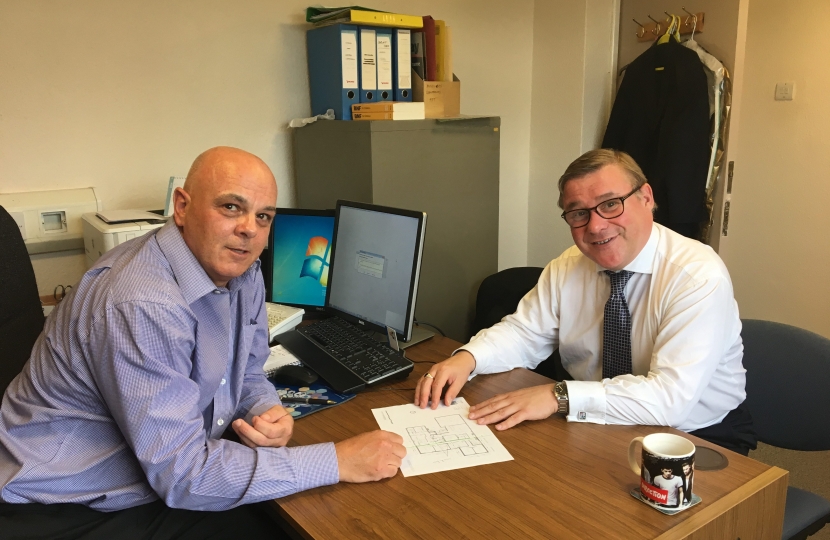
{"points": [[101, 236]]}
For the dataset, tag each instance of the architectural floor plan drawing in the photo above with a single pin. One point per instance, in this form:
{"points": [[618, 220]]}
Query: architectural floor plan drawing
{"points": [[441, 440], [452, 434]]}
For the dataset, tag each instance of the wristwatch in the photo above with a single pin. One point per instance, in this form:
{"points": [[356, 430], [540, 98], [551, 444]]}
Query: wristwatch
{"points": [[560, 391]]}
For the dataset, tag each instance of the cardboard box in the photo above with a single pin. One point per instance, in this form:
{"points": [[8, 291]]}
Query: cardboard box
{"points": [[442, 99]]}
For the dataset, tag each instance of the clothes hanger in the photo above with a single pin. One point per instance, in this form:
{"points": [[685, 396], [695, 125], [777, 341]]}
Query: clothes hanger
{"points": [[694, 23], [672, 32]]}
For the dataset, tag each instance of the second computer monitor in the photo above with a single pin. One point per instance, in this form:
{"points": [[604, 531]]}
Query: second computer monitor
{"points": [[375, 266], [299, 254]]}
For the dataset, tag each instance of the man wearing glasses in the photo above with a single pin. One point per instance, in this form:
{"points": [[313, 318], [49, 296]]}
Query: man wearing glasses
{"points": [[645, 321]]}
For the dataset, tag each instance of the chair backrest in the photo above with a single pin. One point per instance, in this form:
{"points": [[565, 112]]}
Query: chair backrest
{"points": [[21, 315], [787, 384], [500, 293]]}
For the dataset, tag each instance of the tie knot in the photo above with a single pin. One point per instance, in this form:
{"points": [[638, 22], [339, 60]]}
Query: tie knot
{"points": [[619, 280]]}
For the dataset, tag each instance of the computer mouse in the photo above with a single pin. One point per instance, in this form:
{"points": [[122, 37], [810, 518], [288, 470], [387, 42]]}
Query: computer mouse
{"points": [[294, 376]]}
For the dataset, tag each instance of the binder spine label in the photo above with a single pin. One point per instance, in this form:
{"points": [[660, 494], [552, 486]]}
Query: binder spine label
{"points": [[373, 116], [348, 47], [384, 54], [368, 61], [404, 60], [373, 107]]}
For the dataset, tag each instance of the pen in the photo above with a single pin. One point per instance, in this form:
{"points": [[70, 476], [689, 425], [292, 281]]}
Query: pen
{"points": [[310, 401]]}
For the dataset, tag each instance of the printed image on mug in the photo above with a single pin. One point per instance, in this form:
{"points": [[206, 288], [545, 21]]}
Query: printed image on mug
{"points": [[667, 471]]}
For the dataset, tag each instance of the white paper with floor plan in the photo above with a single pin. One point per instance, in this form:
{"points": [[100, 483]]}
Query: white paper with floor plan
{"points": [[441, 440]]}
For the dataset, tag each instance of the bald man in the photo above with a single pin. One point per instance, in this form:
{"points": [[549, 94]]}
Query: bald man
{"points": [[113, 429]]}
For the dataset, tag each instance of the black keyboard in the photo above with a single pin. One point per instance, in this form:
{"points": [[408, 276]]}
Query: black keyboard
{"points": [[370, 360]]}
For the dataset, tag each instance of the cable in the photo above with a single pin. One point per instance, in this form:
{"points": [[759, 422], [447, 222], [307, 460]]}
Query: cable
{"points": [[387, 389], [422, 323]]}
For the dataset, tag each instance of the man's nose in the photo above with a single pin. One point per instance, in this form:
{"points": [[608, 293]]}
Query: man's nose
{"points": [[247, 225], [596, 222]]}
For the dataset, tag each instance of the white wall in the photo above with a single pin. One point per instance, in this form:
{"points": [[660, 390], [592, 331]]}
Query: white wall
{"points": [[573, 58], [777, 249], [122, 95]]}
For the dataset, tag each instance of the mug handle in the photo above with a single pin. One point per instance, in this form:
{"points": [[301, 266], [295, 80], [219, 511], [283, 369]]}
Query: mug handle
{"points": [[635, 449]]}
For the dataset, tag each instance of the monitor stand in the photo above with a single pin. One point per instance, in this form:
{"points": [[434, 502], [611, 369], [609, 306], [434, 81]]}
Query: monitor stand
{"points": [[418, 335]]}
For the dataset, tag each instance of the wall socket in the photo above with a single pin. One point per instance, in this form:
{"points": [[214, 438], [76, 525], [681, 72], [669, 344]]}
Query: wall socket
{"points": [[785, 91]]}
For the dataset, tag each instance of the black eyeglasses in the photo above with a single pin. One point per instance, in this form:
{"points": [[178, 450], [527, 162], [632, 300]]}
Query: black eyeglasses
{"points": [[606, 209]]}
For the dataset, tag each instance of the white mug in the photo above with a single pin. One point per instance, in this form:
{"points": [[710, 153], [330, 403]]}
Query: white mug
{"points": [[666, 468]]}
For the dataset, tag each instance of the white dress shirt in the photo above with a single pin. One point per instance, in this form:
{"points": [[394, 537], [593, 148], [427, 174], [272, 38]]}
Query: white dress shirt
{"points": [[686, 344]]}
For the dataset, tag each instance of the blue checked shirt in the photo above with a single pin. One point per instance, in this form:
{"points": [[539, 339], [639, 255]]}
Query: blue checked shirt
{"points": [[129, 388]]}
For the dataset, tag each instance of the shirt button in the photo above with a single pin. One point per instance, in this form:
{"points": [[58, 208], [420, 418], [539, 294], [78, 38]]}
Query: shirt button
{"points": [[220, 421], [217, 291], [222, 381]]}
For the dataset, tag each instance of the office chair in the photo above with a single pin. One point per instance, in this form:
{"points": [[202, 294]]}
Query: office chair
{"points": [[499, 295], [21, 315], [787, 381]]}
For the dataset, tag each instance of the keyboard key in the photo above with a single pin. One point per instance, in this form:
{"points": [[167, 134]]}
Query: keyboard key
{"points": [[369, 359]]}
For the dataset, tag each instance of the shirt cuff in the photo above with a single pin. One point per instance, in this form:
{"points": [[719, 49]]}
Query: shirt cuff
{"points": [[586, 402], [315, 465], [479, 352]]}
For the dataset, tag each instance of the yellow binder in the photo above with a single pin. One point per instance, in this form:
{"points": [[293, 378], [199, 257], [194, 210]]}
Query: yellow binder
{"points": [[371, 18]]}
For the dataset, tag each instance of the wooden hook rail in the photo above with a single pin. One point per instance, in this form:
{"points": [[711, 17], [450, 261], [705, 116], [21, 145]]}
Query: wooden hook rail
{"points": [[650, 31]]}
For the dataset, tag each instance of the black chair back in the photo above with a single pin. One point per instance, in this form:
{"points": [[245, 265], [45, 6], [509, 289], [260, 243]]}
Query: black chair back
{"points": [[21, 315], [499, 295]]}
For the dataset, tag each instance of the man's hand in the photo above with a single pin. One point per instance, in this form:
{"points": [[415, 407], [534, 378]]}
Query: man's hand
{"points": [[272, 428], [370, 456], [534, 403], [452, 371]]}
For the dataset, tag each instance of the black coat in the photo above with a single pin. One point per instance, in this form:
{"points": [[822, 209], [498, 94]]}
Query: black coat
{"points": [[661, 119]]}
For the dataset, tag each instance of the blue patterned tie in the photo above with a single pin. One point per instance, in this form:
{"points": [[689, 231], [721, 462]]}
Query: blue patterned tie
{"points": [[616, 336]]}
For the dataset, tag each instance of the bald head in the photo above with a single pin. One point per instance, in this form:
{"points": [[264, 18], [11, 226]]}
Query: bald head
{"points": [[223, 162], [225, 210]]}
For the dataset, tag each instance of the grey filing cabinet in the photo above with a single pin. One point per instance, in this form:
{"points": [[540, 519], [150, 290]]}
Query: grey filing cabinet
{"points": [[446, 168]]}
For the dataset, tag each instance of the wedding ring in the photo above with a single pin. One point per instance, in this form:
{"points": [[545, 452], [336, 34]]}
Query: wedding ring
{"points": [[428, 376]]}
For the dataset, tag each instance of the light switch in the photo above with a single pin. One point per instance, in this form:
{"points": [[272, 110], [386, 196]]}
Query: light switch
{"points": [[20, 219], [785, 91]]}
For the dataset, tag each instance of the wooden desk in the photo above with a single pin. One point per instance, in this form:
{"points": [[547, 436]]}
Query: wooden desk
{"points": [[567, 480]]}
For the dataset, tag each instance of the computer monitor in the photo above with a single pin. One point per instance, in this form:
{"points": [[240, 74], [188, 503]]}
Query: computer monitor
{"points": [[296, 264], [375, 266]]}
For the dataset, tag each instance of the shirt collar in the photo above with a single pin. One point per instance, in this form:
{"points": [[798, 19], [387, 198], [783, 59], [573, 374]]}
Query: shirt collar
{"points": [[190, 276], [643, 263]]}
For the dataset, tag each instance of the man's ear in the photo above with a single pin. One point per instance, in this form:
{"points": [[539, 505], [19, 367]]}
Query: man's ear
{"points": [[181, 202], [647, 195]]}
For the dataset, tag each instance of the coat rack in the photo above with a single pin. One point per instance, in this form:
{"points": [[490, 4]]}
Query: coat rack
{"points": [[652, 30]]}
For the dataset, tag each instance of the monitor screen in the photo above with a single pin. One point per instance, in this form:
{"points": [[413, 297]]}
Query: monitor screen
{"points": [[375, 263], [299, 253]]}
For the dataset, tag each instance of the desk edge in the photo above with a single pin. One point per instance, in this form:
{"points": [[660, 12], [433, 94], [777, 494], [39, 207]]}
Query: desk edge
{"points": [[724, 504]]}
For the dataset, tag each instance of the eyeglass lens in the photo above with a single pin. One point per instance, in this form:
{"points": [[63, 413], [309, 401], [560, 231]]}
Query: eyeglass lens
{"points": [[608, 209]]}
